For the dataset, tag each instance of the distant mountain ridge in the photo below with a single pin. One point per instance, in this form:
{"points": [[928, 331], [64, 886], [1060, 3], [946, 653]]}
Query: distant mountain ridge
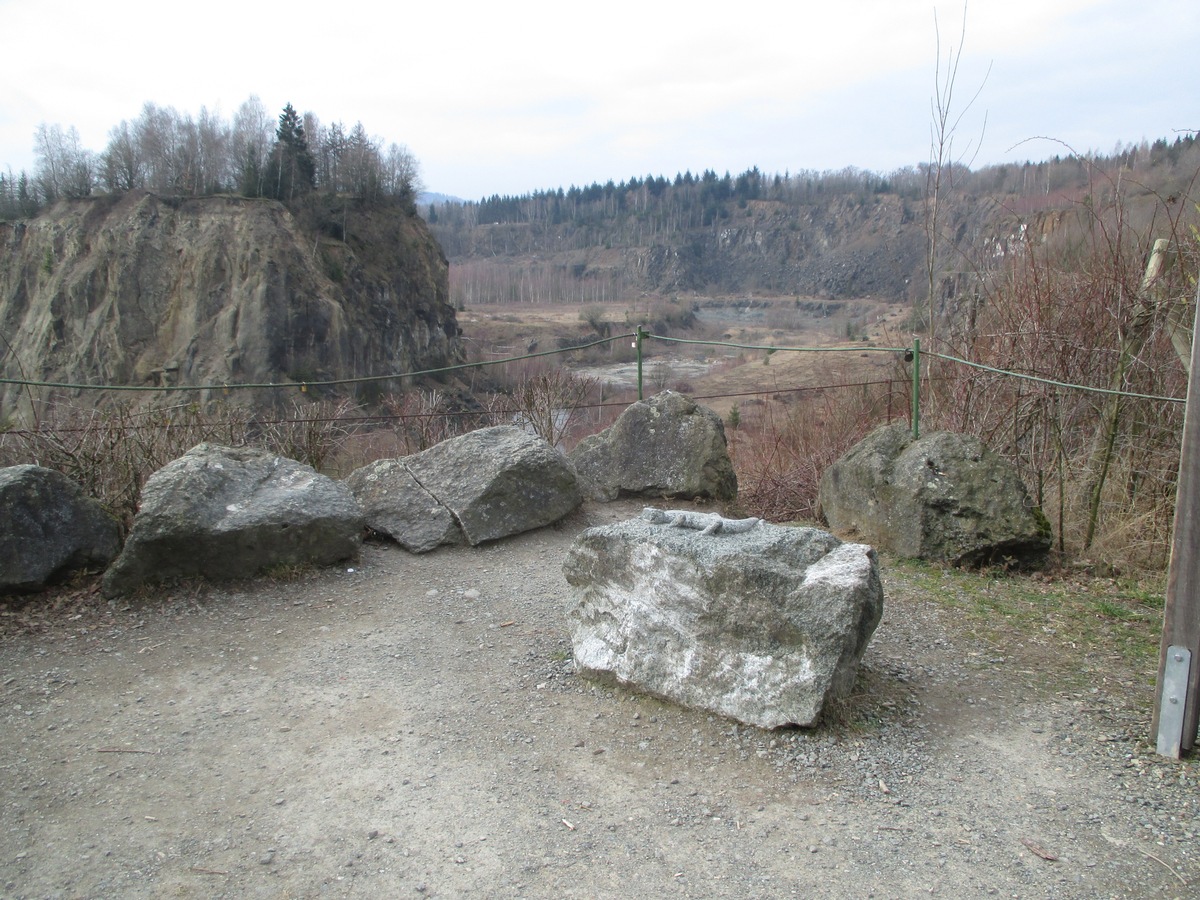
{"points": [[834, 235]]}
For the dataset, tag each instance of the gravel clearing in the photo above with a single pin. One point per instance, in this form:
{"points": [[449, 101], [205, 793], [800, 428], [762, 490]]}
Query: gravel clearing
{"points": [[411, 726]]}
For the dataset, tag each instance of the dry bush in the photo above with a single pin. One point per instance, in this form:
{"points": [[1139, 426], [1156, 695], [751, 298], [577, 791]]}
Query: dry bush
{"points": [[551, 403], [111, 452], [422, 418], [1068, 306], [316, 433], [779, 449]]}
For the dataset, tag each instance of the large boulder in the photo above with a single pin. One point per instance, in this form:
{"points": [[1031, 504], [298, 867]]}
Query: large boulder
{"points": [[943, 497], [477, 487], [762, 624], [49, 529], [396, 504], [221, 513], [667, 446]]}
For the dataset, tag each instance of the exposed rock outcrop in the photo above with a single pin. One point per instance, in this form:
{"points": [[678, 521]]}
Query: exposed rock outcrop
{"points": [[477, 487], [49, 529], [222, 513], [765, 625], [137, 289], [667, 446], [944, 497]]}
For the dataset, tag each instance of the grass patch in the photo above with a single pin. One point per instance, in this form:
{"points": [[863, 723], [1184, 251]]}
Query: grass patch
{"points": [[1066, 625]]}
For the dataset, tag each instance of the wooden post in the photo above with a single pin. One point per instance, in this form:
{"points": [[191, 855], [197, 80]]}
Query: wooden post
{"points": [[1177, 707], [1132, 341]]}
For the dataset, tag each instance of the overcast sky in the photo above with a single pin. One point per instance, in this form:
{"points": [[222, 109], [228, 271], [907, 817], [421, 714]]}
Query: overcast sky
{"points": [[513, 97]]}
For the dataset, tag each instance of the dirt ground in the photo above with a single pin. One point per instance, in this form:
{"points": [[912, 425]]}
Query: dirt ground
{"points": [[411, 726]]}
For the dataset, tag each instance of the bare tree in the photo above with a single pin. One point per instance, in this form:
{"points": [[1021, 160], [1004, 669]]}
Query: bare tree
{"points": [[550, 403], [943, 158], [212, 139], [64, 168], [157, 130], [363, 164], [402, 175], [48, 165], [250, 143], [121, 163]]}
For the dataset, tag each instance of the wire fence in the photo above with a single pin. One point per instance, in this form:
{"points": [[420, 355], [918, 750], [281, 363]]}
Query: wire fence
{"points": [[781, 436], [911, 354]]}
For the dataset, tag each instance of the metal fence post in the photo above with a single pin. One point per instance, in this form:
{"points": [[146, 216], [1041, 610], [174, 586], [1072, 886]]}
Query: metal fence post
{"points": [[637, 342], [916, 388]]}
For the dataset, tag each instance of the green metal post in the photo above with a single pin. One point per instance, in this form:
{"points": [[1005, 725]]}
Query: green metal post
{"points": [[638, 344], [916, 388]]}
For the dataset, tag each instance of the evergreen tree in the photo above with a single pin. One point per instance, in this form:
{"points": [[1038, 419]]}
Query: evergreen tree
{"points": [[291, 171]]}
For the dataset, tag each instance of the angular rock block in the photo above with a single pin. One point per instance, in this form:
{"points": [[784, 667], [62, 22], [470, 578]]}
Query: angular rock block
{"points": [[943, 497], [49, 529], [223, 513], [667, 446], [764, 626], [480, 486], [396, 504]]}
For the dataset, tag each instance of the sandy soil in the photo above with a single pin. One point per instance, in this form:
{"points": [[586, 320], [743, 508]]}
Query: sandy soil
{"points": [[412, 726]]}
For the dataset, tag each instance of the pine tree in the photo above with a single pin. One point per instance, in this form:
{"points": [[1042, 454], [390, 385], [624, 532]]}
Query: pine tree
{"points": [[291, 171]]}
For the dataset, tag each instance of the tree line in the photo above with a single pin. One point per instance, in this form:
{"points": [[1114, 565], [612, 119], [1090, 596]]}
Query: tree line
{"points": [[654, 208], [173, 153]]}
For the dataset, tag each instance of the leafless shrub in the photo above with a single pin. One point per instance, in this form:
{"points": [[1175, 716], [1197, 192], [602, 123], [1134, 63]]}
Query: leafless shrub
{"points": [[1068, 304], [422, 418], [111, 452], [779, 450], [550, 402], [315, 433]]}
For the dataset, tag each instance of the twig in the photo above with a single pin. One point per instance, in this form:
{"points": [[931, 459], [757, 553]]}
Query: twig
{"points": [[1182, 880], [124, 750], [1038, 851], [204, 871]]}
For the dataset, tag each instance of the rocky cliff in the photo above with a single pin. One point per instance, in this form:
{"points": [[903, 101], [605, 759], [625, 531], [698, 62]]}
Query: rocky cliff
{"points": [[139, 289]]}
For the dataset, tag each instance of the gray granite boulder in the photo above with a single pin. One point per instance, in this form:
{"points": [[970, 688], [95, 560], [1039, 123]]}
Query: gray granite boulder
{"points": [[49, 529], [396, 504], [222, 513], [760, 623], [944, 497], [667, 446], [477, 487]]}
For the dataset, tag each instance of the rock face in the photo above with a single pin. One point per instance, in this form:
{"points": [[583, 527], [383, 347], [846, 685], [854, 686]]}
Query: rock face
{"points": [[477, 487], [943, 497], [222, 513], [137, 289], [49, 529], [765, 625], [667, 446]]}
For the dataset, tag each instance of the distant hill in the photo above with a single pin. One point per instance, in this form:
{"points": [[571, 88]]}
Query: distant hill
{"points": [[425, 198], [834, 235]]}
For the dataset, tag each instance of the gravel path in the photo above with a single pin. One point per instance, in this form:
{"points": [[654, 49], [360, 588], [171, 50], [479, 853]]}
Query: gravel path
{"points": [[413, 727]]}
